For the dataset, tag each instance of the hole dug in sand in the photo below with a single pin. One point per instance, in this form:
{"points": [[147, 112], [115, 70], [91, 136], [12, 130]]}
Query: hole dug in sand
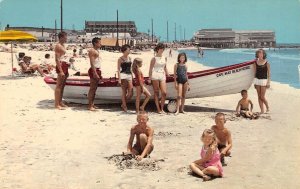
{"points": [[129, 162]]}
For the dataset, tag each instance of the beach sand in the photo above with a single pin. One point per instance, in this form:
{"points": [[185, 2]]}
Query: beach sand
{"points": [[41, 147]]}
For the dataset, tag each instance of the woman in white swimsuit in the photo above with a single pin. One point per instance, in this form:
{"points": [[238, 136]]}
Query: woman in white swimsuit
{"points": [[157, 74]]}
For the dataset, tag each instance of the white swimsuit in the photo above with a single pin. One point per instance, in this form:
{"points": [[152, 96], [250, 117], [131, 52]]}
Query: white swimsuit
{"points": [[158, 71]]}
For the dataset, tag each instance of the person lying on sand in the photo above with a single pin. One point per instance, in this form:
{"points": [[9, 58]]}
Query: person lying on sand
{"points": [[144, 138]]}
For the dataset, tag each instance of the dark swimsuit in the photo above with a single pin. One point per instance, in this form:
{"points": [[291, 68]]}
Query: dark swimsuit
{"points": [[181, 74], [261, 71], [126, 66], [221, 146]]}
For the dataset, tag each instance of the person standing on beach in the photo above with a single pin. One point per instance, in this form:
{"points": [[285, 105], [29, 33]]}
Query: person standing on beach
{"points": [[262, 78], [94, 71], [61, 70], [157, 74], [170, 52], [125, 75], [139, 85], [181, 81]]}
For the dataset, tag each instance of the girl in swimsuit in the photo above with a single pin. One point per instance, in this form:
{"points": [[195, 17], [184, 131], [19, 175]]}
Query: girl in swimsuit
{"points": [[181, 81], [157, 74], [125, 75], [262, 78], [139, 85], [209, 164]]}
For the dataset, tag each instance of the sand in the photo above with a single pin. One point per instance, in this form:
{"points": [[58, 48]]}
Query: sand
{"points": [[41, 147]]}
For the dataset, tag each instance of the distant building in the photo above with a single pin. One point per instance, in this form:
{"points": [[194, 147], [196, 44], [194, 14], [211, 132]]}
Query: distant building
{"points": [[255, 38], [215, 38], [106, 27], [227, 38]]}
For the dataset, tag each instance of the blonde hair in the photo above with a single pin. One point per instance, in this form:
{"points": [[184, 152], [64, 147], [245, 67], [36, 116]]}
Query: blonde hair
{"points": [[211, 133], [142, 113], [135, 64]]}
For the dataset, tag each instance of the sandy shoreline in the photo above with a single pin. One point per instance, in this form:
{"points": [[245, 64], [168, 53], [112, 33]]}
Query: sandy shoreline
{"points": [[41, 147]]}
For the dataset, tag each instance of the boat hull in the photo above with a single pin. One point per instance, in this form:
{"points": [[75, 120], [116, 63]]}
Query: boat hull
{"points": [[213, 82]]}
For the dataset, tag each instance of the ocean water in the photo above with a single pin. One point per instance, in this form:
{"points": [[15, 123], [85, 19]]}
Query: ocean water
{"points": [[284, 62]]}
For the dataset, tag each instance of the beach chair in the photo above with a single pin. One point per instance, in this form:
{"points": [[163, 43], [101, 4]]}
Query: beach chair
{"points": [[19, 72]]}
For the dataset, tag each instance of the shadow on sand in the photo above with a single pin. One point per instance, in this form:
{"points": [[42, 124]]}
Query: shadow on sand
{"points": [[49, 104]]}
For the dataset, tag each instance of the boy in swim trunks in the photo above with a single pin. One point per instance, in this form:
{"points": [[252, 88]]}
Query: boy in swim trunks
{"points": [[243, 106], [223, 136], [144, 138]]}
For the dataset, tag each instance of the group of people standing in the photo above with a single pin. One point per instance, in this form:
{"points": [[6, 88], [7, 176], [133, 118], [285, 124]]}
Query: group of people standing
{"points": [[126, 69], [158, 73], [157, 77]]}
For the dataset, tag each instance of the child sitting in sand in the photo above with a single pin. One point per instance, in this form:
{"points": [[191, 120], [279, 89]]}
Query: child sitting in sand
{"points": [[243, 106], [223, 136], [209, 164], [139, 85], [144, 136]]}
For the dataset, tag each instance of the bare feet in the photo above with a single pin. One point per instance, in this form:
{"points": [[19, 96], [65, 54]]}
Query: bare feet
{"points": [[95, 107], [182, 111], [92, 108], [206, 178], [63, 105], [161, 112], [59, 108], [124, 108], [177, 112]]}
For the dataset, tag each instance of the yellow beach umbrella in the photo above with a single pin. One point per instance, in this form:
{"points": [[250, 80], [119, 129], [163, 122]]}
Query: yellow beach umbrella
{"points": [[14, 35]]}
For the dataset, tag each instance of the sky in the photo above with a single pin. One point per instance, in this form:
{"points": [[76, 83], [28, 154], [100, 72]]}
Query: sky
{"points": [[282, 16]]}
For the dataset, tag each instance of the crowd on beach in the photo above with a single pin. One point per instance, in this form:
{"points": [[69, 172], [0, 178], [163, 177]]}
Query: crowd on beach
{"points": [[217, 140]]}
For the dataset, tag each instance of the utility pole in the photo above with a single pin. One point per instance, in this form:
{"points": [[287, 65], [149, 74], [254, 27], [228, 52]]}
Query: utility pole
{"points": [[180, 33], [175, 32], [167, 31], [117, 27], [152, 29], [55, 31], [61, 15]]}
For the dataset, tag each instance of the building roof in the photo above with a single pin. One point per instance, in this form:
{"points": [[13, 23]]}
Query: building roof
{"points": [[110, 22], [254, 31]]}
